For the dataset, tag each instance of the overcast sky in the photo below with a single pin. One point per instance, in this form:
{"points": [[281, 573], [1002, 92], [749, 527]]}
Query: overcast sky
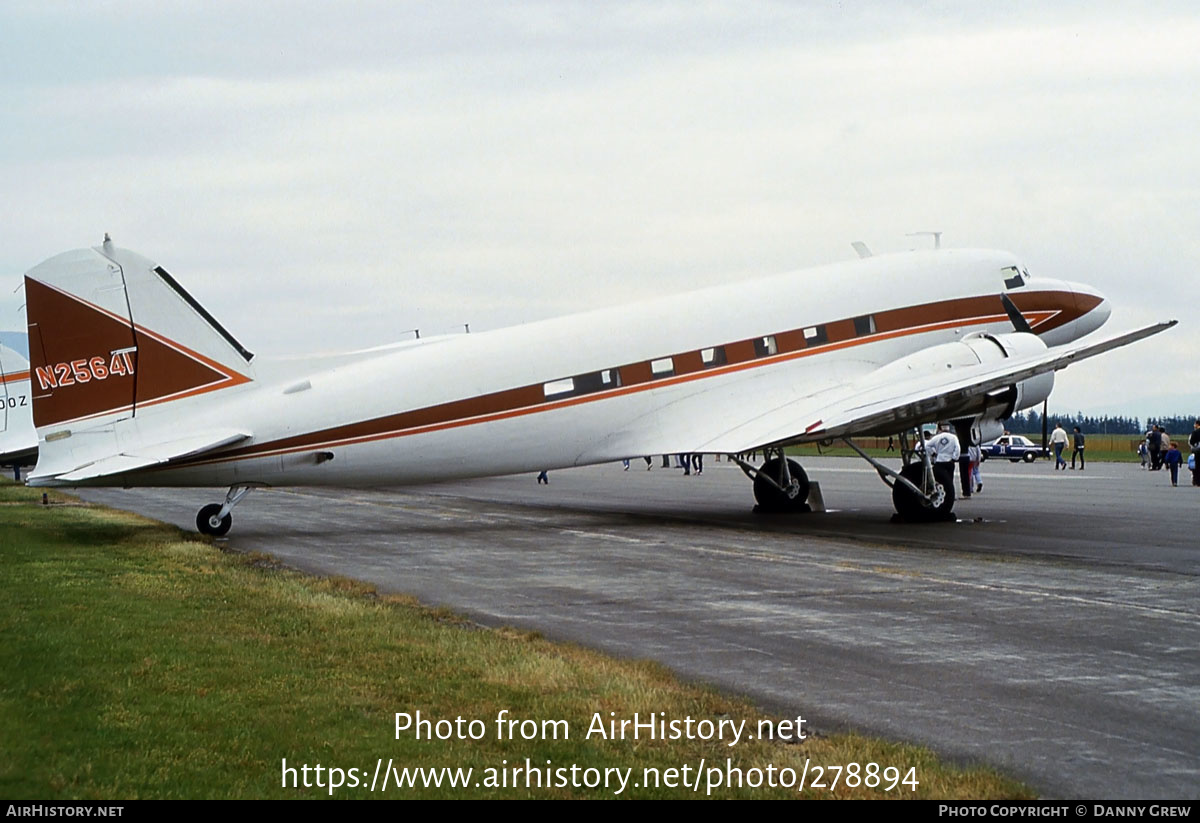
{"points": [[329, 175]]}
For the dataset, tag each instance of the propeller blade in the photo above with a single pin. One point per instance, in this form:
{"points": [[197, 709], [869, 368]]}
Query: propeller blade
{"points": [[1014, 314]]}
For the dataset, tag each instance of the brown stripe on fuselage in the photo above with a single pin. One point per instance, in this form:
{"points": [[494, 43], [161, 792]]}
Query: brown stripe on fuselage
{"points": [[635, 373], [840, 330], [1069, 305], [688, 362], [740, 352], [942, 312], [791, 340], [636, 377]]}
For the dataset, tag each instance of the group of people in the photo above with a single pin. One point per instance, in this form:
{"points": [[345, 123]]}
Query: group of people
{"points": [[1158, 450], [687, 462]]}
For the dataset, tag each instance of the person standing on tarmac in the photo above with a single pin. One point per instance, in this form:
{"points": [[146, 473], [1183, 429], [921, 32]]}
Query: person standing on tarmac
{"points": [[944, 451], [1172, 460], [1059, 438], [964, 463], [1078, 450], [976, 455], [1194, 445], [1154, 439]]}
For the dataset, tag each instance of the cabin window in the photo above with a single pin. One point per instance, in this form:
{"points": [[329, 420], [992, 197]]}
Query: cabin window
{"points": [[590, 382], [557, 388], [815, 335], [662, 368], [582, 384], [765, 346], [864, 325], [713, 357]]}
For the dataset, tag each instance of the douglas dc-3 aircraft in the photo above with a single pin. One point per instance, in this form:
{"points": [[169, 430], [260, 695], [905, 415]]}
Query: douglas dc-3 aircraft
{"points": [[136, 384]]}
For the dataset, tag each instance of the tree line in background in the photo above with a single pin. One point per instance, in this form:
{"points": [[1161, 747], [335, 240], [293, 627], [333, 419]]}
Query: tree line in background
{"points": [[1030, 422]]}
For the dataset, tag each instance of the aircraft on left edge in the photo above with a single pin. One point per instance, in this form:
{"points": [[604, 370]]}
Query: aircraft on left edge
{"points": [[18, 438]]}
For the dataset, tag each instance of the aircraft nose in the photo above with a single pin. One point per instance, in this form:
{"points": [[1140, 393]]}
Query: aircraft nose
{"points": [[1094, 308]]}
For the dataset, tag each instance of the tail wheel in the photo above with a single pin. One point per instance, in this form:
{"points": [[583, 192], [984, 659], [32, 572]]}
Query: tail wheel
{"points": [[793, 495], [208, 522], [916, 509]]}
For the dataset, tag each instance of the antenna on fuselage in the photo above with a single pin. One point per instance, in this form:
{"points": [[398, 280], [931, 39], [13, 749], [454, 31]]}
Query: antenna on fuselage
{"points": [[861, 249], [936, 235]]}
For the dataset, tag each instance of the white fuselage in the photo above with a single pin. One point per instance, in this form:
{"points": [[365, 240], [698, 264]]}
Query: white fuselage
{"points": [[477, 404]]}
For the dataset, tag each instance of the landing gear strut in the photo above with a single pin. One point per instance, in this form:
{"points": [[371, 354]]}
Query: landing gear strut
{"points": [[780, 484], [215, 518]]}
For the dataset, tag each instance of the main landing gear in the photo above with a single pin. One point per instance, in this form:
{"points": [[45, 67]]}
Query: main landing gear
{"points": [[215, 518], [780, 484], [921, 491]]}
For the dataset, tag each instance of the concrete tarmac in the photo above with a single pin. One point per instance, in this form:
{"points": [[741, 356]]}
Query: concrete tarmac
{"points": [[1053, 631]]}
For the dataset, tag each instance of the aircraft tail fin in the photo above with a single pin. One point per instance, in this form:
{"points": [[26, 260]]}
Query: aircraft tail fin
{"points": [[112, 335]]}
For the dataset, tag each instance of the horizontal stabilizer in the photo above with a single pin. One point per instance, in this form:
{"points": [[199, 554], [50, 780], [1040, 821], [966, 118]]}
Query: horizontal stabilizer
{"points": [[149, 455]]}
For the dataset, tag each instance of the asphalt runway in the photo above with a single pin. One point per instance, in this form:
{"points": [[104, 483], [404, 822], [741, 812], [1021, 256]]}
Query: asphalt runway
{"points": [[1053, 631]]}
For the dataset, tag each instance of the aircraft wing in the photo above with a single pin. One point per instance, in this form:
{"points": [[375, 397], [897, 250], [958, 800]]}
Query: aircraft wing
{"points": [[879, 403], [152, 455]]}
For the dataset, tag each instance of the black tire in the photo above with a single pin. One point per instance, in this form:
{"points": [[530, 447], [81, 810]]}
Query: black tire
{"points": [[207, 523], [1029, 457], [983, 457], [913, 508], [771, 499], [1014, 460]]}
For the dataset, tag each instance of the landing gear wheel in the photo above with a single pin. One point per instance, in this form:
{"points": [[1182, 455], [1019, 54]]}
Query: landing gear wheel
{"points": [[207, 522], [915, 509], [794, 495]]}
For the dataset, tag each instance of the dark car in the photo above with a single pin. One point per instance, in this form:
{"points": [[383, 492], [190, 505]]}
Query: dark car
{"points": [[1014, 447]]}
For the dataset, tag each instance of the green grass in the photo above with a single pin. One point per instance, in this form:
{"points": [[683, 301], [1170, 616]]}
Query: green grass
{"points": [[140, 662]]}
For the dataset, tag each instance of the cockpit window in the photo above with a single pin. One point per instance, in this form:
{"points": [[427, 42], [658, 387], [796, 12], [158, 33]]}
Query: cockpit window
{"points": [[1014, 278]]}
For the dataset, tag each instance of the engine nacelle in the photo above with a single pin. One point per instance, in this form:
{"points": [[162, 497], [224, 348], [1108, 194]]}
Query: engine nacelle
{"points": [[1019, 396], [975, 350], [986, 429]]}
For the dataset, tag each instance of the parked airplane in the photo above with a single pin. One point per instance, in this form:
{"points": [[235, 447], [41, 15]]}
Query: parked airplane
{"points": [[18, 440], [135, 384]]}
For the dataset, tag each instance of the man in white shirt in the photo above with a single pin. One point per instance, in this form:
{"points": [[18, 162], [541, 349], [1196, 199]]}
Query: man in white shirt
{"points": [[944, 446], [1059, 438], [944, 451]]}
